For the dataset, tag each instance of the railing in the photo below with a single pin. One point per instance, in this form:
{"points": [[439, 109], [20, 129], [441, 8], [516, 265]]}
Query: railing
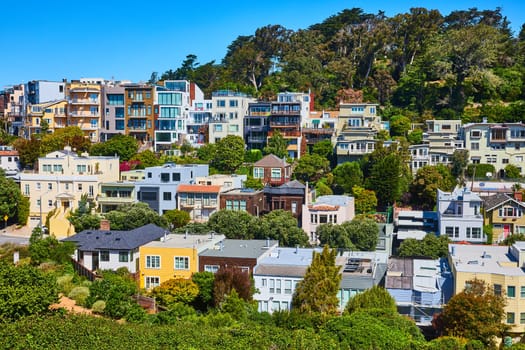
{"points": [[84, 271], [318, 130]]}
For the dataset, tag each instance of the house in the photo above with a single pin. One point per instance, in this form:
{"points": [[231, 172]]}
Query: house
{"points": [[138, 115], [414, 224], [505, 215], [272, 170], [113, 194], [236, 253], [58, 185], [115, 115], [256, 125], [173, 256], [331, 209], [53, 113], [107, 249], [501, 268], [289, 196], [9, 161], [459, 215], [227, 182], [200, 201], [420, 287], [247, 199], [159, 188], [320, 126]]}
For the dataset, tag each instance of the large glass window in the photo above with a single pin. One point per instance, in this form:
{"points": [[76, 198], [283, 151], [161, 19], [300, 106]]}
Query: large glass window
{"points": [[169, 112], [182, 263], [165, 177], [115, 99], [170, 98], [152, 261]]}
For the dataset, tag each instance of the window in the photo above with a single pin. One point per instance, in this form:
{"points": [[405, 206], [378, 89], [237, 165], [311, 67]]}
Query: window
{"points": [[57, 167], [276, 173], [50, 203], [258, 173], [263, 282], [278, 286], [452, 232], [234, 103], [182, 263], [165, 177], [211, 268], [510, 317], [123, 257], [152, 282], [217, 127], [294, 207], [475, 134], [152, 261], [49, 186], [38, 202], [522, 318], [81, 168], [476, 232], [233, 128], [511, 291], [497, 289], [79, 187], [221, 103], [272, 286], [175, 176], [287, 286], [26, 189], [38, 187], [166, 196], [522, 292], [104, 255], [474, 146], [91, 191]]}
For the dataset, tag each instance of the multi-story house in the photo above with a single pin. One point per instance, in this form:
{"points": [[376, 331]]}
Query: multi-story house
{"points": [[256, 125], [331, 209], [40, 91], [245, 199], [501, 268], [159, 188], [357, 128], [9, 161], [53, 113], [241, 254], [85, 107], [15, 109], [133, 175], [229, 109], [62, 178], [272, 170], [173, 256], [459, 215], [113, 194], [227, 182], [420, 287], [199, 201], [289, 196], [496, 144], [138, 113], [414, 224], [114, 115], [199, 116], [319, 126], [505, 215], [107, 249]]}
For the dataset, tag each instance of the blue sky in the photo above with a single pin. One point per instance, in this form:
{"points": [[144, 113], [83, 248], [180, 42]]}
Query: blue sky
{"points": [[127, 40]]}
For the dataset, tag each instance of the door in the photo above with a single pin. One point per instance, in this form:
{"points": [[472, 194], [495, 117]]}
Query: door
{"points": [[94, 261]]}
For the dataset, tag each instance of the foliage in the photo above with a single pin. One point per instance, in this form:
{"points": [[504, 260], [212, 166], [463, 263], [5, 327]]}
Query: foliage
{"points": [[28, 150], [254, 183], [459, 164], [253, 155], [124, 146], [399, 125], [346, 176], [430, 246], [230, 154], [176, 218], [427, 181], [12, 202], [195, 228], [204, 281], [363, 232], [79, 295], [324, 148], [375, 298], [207, 152], [512, 171], [335, 236], [228, 279], [71, 136], [322, 189], [281, 225], [475, 313], [65, 284], [237, 307], [415, 137], [81, 218], [25, 291], [50, 249], [276, 145], [176, 290], [365, 200], [512, 238], [480, 171], [130, 216], [317, 292], [311, 168], [236, 224], [98, 306], [146, 159]]}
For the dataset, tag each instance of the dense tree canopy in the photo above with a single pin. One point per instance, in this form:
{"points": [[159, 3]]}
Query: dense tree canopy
{"points": [[13, 204], [123, 146], [130, 216], [230, 154]]}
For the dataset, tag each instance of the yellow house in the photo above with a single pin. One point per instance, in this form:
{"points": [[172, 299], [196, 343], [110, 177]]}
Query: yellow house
{"points": [[501, 267], [53, 113], [505, 214], [174, 256], [85, 108]]}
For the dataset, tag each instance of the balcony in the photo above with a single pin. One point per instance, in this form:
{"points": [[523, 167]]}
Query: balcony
{"points": [[138, 115], [286, 134], [256, 139], [328, 131], [83, 89], [258, 114], [137, 128], [103, 199], [84, 101], [187, 205], [289, 124], [82, 114]]}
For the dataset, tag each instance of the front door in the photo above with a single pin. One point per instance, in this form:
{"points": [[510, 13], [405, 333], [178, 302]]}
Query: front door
{"points": [[94, 261]]}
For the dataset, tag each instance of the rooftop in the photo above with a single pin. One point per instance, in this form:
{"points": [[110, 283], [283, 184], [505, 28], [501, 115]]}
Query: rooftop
{"points": [[199, 242], [199, 188], [485, 259], [239, 248]]}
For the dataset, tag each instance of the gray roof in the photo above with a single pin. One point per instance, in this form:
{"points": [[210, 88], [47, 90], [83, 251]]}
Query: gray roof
{"points": [[290, 188], [271, 160], [93, 240], [339, 200], [241, 248], [498, 199], [281, 270], [400, 273]]}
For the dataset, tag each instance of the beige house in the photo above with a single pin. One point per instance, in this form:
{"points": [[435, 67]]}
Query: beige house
{"points": [[58, 184]]}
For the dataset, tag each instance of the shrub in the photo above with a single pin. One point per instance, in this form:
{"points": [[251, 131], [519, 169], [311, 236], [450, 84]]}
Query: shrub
{"points": [[79, 294], [99, 306], [65, 284]]}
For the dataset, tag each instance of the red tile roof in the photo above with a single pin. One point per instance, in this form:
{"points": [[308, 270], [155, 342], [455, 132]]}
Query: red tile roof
{"points": [[199, 188], [9, 153], [323, 207]]}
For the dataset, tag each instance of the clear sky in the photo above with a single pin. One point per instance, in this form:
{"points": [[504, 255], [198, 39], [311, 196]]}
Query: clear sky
{"points": [[128, 40]]}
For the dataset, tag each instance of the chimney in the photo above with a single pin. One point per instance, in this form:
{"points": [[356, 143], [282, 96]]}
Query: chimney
{"points": [[105, 225], [518, 196]]}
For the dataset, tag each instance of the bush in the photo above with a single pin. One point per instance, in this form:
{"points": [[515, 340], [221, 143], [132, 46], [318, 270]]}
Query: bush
{"points": [[79, 295], [98, 306], [65, 284]]}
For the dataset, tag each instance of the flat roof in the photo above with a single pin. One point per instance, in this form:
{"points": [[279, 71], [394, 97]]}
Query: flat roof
{"points": [[240, 248], [199, 242], [475, 258]]}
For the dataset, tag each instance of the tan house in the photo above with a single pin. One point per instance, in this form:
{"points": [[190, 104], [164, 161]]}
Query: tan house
{"points": [[272, 170], [505, 214], [200, 201], [58, 184]]}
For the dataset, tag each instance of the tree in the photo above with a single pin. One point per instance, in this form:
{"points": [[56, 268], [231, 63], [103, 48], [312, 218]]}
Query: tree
{"points": [[204, 280], [49, 249], [276, 145], [430, 246], [254, 183], [12, 203], [363, 232], [427, 181], [230, 153], [28, 150], [346, 176], [512, 172], [176, 290], [400, 125], [281, 225], [123, 146], [311, 168], [71, 136], [177, 218], [130, 216], [207, 152], [324, 149], [146, 158], [81, 218], [376, 298], [228, 279], [459, 164], [317, 292], [365, 200], [415, 137], [25, 290], [475, 313], [335, 236], [234, 224]]}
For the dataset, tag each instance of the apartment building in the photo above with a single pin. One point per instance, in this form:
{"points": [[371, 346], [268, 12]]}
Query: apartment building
{"points": [[40, 91], [85, 108], [228, 111], [114, 115], [319, 126], [256, 125], [51, 113], [138, 112]]}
